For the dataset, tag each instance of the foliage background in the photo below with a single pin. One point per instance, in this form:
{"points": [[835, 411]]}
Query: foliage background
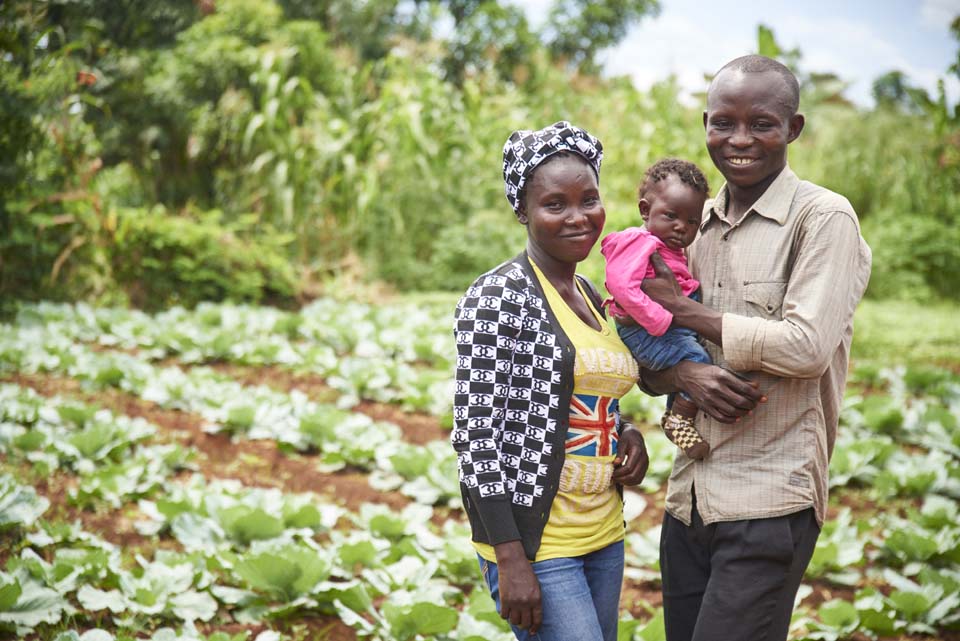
{"points": [[269, 150]]}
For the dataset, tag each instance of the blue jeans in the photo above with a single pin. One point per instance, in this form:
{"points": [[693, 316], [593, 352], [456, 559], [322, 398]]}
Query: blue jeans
{"points": [[656, 353], [580, 595]]}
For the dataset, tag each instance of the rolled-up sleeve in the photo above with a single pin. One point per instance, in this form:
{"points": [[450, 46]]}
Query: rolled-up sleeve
{"points": [[830, 271]]}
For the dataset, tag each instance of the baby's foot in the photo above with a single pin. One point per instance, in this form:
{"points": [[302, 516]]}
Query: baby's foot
{"points": [[682, 433]]}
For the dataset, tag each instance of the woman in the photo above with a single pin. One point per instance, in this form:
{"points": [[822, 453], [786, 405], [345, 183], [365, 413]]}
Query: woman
{"points": [[541, 449]]}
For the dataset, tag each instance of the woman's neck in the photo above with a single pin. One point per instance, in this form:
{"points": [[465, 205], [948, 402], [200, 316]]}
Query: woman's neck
{"points": [[560, 274]]}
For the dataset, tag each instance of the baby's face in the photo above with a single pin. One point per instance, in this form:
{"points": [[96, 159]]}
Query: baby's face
{"points": [[672, 210]]}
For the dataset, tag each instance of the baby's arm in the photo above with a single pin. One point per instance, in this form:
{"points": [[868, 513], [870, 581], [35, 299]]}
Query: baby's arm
{"points": [[627, 262]]}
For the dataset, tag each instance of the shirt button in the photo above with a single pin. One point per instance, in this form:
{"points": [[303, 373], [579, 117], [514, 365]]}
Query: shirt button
{"points": [[719, 284]]}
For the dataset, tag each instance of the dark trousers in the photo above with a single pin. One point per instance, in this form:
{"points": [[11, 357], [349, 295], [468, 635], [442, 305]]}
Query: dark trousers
{"points": [[733, 581]]}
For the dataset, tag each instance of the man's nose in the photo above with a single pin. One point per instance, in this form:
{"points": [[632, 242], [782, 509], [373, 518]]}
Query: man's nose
{"points": [[741, 136]]}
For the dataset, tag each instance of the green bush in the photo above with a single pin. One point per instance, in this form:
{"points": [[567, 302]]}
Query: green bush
{"points": [[160, 260]]}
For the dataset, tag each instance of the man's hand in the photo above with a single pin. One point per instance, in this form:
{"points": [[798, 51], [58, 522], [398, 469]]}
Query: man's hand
{"points": [[664, 289], [520, 602], [632, 461], [718, 391]]}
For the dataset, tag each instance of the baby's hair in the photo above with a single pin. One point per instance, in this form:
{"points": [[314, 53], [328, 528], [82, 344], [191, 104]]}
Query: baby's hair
{"points": [[685, 170]]}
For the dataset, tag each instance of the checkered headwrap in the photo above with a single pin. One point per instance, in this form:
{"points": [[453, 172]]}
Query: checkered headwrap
{"points": [[525, 150]]}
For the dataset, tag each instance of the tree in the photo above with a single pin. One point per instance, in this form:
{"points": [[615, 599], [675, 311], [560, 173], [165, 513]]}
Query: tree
{"points": [[577, 30], [892, 90], [488, 35]]}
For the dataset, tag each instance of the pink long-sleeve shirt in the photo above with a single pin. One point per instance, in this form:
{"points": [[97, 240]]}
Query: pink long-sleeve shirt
{"points": [[628, 262]]}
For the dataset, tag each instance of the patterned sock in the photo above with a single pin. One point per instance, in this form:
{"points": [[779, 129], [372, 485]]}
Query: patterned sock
{"points": [[682, 433]]}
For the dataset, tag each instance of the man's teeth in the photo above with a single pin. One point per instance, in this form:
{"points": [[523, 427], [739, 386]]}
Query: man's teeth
{"points": [[740, 161]]}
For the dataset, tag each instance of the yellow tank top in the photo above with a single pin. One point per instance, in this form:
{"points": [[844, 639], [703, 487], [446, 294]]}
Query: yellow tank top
{"points": [[587, 512]]}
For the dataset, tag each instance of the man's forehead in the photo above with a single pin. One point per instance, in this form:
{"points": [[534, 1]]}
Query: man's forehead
{"points": [[733, 83]]}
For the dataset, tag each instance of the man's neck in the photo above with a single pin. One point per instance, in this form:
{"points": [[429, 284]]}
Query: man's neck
{"points": [[741, 199]]}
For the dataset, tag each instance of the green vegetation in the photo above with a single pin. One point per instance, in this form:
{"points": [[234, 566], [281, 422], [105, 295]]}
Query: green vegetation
{"points": [[230, 555], [888, 332], [257, 150]]}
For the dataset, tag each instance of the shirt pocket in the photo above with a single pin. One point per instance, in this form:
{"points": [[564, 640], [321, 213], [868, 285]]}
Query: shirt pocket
{"points": [[765, 297]]}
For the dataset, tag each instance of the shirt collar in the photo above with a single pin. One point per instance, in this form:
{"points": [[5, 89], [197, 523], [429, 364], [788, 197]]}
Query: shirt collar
{"points": [[773, 204]]}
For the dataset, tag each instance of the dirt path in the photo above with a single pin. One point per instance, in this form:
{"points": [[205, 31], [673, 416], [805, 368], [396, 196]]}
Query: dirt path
{"points": [[254, 463]]}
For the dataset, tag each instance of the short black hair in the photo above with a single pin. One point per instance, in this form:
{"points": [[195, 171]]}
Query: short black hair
{"points": [[686, 171], [758, 64]]}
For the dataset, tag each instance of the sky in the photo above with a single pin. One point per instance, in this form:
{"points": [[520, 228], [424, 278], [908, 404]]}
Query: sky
{"points": [[858, 40]]}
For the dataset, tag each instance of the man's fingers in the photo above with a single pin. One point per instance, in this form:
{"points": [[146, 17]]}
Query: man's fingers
{"points": [[659, 266]]}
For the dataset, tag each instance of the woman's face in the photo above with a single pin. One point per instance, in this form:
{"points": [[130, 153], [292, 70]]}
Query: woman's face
{"points": [[563, 212]]}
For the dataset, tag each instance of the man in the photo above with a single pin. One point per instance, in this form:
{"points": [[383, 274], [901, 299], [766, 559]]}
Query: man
{"points": [[782, 266]]}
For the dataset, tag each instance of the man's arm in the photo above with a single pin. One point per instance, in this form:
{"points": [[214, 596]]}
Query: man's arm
{"points": [[717, 391], [824, 287]]}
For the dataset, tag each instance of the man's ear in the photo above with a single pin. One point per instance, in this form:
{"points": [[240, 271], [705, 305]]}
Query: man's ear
{"points": [[796, 126], [704, 119], [644, 207]]}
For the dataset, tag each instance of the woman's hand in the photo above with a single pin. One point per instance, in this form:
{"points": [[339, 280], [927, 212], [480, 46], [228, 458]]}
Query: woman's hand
{"points": [[520, 602], [632, 461]]}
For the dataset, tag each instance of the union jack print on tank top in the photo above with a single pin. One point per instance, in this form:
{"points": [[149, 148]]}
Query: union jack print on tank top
{"points": [[593, 425]]}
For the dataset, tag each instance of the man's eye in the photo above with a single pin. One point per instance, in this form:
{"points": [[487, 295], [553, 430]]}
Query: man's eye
{"points": [[590, 201]]}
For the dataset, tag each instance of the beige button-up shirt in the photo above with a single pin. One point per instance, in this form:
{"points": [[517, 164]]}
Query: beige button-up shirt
{"points": [[787, 277]]}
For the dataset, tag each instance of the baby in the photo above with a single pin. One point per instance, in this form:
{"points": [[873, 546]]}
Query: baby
{"points": [[671, 199]]}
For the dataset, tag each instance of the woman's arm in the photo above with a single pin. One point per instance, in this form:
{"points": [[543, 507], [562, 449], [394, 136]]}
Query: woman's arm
{"points": [[488, 321]]}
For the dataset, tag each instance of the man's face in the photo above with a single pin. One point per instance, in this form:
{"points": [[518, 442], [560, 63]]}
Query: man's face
{"points": [[749, 126]]}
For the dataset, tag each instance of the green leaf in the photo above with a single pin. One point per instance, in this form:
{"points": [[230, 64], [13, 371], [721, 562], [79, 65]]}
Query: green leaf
{"points": [[35, 605], [766, 43], [9, 593], [838, 614], [362, 552], [270, 573], [911, 604], [308, 515], [245, 524], [78, 415], [421, 618], [241, 417]]}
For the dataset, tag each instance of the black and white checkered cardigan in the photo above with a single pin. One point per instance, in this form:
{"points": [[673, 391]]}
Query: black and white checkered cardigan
{"points": [[514, 383]]}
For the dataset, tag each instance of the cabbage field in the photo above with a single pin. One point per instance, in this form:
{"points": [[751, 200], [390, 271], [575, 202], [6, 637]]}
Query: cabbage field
{"points": [[238, 472]]}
